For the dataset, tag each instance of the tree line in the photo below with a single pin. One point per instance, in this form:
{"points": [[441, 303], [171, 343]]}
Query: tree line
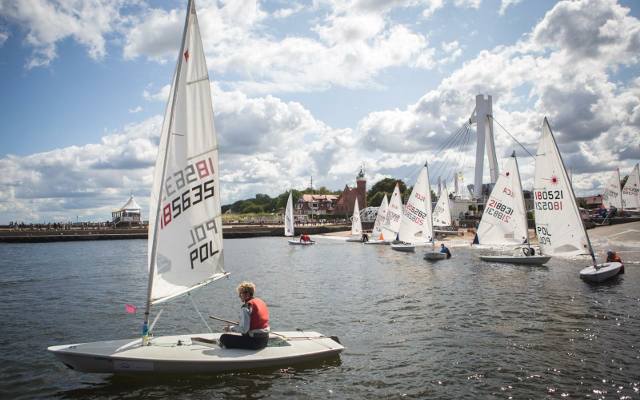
{"points": [[263, 203]]}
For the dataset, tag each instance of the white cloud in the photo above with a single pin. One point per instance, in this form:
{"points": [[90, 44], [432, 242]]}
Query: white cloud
{"points": [[49, 22], [135, 110], [3, 37], [289, 11], [504, 4]]}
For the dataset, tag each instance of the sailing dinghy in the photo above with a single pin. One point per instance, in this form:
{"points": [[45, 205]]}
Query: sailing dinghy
{"points": [[504, 220], [356, 224], [377, 236], [185, 245], [558, 223], [414, 226], [289, 229]]}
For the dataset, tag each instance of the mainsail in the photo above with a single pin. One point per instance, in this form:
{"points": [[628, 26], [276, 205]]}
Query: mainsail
{"points": [[288, 218], [504, 220], [631, 190], [376, 233], [612, 195], [442, 211], [391, 224], [185, 224], [415, 226], [558, 224], [356, 223]]}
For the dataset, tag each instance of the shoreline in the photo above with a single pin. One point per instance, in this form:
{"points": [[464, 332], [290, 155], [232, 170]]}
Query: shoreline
{"points": [[228, 232]]}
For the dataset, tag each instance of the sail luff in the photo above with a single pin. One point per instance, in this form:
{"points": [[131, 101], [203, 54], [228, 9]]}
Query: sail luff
{"points": [[170, 110], [525, 222]]}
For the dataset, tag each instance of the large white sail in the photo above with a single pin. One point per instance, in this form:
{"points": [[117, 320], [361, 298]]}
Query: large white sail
{"points": [[380, 218], [631, 190], [356, 223], [558, 225], [185, 224], [442, 211], [415, 226], [504, 220], [391, 224], [612, 195], [288, 218]]}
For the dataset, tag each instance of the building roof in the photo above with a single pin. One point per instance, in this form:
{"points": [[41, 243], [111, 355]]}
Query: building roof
{"points": [[131, 205], [318, 197]]}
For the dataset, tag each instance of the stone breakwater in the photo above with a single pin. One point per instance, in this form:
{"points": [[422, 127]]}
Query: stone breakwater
{"points": [[228, 232]]}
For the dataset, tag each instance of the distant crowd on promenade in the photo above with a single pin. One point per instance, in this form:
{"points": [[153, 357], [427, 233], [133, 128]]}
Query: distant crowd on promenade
{"points": [[64, 226]]}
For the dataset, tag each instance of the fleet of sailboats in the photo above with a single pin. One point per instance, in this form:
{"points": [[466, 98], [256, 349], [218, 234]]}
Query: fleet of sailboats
{"points": [[185, 245]]}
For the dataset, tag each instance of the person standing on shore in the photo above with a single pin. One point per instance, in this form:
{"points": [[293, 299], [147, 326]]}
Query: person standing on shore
{"points": [[253, 327]]}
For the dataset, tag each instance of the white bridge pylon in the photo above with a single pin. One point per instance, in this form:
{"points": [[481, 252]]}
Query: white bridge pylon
{"points": [[482, 117]]}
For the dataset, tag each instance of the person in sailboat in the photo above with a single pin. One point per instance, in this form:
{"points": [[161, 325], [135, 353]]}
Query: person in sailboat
{"points": [[444, 249], [365, 237], [254, 322], [612, 256], [305, 238]]}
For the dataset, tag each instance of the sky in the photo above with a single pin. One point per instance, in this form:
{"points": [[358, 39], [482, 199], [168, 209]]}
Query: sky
{"points": [[308, 89]]}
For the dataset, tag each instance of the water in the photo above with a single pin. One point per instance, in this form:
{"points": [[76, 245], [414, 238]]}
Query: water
{"points": [[451, 329]]}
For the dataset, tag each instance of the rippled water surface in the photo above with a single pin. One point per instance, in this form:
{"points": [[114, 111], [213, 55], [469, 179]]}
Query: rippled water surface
{"points": [[459, 328]]}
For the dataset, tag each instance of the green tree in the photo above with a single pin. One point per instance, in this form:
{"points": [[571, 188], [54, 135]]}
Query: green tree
{"points": [[380, 188]]}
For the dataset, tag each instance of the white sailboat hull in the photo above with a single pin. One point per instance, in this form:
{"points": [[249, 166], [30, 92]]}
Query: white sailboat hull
{"points": [[180, 355], [434, 256], [527, 260], [355, 240], [404, 247], [377, 242], [299, 243], [602, 273]]}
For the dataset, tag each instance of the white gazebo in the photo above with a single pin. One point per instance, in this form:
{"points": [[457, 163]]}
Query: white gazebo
{"points": [[129, 213]]}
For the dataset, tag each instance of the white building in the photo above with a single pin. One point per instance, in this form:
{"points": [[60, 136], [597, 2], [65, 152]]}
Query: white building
{"points": [[128, 214]]}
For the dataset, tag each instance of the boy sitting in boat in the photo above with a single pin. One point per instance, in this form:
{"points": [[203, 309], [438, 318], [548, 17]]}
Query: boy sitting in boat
{"points": [[612, 256]]}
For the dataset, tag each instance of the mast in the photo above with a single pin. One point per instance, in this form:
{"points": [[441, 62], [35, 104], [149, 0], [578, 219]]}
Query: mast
{"points": [[154, 246], [593, 257], [620, 190], [524, 208], [429, 211]]}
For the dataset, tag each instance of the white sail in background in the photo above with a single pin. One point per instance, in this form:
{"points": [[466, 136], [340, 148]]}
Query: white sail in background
{"points": [[504, 220], [356, 223], [415, 226], [631, 190], [442, 211], [612, 195], [558, 224], [376, 233], [185, 224], [391, 224], [288, 217]]}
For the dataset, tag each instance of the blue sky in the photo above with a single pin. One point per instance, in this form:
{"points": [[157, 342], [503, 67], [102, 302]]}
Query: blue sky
{"points": [[306, 88]]}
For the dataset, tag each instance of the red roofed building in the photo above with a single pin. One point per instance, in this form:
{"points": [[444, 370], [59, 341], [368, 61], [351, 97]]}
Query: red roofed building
{"points": [[316, 204], [345, 203]]}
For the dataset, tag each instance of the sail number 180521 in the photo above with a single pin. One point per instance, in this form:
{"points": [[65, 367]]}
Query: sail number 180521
{"points": [[548, 200]]}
